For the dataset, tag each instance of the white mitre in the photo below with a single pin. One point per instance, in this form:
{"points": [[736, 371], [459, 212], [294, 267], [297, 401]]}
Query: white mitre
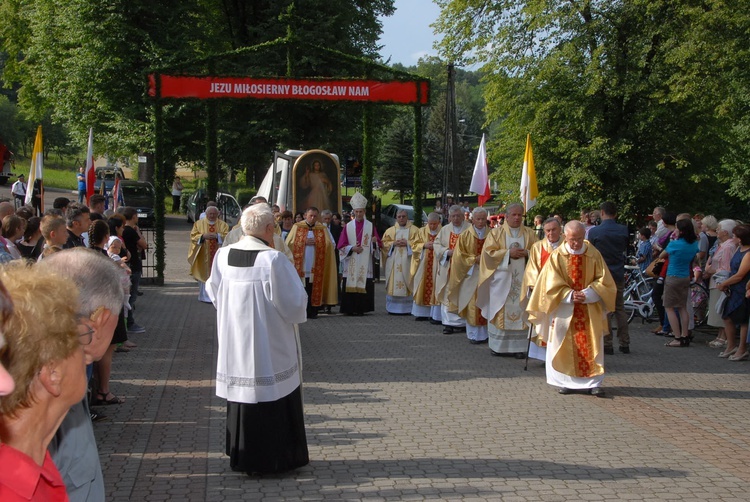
{"points": [[358, 201]]}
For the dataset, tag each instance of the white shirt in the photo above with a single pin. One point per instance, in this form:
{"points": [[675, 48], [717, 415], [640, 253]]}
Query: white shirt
{"points": [[257, 309]]}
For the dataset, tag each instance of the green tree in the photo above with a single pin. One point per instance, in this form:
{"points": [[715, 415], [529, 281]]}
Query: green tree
{"points": [[616, 95]]}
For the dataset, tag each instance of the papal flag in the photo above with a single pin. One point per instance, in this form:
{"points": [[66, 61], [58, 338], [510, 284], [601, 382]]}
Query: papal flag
{"points": [[529, 189], [90, 170], [480, 180], [37, 163]]}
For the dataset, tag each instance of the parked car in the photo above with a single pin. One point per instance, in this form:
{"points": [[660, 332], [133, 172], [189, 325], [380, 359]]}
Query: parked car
{"points": [[388, 216], [229, 208], [107, 175], [140, 196]]}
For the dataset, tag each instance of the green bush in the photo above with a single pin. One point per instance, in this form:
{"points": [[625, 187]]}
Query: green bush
{"points": [[184, 200], [243, 195]]}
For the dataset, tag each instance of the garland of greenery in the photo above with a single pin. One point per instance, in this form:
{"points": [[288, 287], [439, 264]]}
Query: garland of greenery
{"points": [[417, 198], [159, 169], [212, 162], [367, 156]]}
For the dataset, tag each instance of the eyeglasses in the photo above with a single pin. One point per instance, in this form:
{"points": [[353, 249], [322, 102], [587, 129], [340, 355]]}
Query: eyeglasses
{"points": [[87, 337]]}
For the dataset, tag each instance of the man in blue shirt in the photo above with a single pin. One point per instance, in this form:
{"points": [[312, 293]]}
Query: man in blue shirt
{"points": [[611, 239]]}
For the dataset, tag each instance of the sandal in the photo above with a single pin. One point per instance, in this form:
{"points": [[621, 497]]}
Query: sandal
{"points": [[717, 343], [681, 341], [101, 399], [740, 357], [726, 353]]}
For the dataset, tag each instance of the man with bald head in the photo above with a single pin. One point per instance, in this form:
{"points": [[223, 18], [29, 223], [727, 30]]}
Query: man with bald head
{"points": [[423, 271], [445, 244], [464, 278], [205, 239], [499, 293], [572, 295], [574, 292]]}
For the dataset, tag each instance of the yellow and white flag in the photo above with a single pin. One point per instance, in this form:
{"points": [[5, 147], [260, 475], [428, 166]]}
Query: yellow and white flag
{"points": [[37, 162], [529, 189]]}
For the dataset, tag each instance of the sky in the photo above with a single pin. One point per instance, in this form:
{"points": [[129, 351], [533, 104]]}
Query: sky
{"points": [[407, 34]]}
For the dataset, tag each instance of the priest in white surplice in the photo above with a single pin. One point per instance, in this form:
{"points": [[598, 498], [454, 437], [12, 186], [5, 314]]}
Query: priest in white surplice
{"points": [[570, 301], [397, 258], [259, 301], [445, 243], [540, 253], [500, 276]]}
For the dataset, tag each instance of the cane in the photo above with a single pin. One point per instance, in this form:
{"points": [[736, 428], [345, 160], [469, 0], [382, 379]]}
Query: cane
{"points": [[528, 348]]}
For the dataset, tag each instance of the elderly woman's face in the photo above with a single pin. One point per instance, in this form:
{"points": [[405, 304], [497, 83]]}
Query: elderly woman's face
{"points": [[6, 381]]}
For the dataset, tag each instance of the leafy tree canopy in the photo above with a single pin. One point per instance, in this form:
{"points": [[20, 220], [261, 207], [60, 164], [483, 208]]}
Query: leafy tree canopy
{"points": [[640, 102]]}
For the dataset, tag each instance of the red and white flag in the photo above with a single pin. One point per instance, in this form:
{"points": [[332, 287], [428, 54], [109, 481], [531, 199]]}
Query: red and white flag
{"points": [[115, 193], [90, 169], [480, 180]]}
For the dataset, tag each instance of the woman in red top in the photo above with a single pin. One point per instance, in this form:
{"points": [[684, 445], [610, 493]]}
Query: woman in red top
{"points": [[43, 353]]}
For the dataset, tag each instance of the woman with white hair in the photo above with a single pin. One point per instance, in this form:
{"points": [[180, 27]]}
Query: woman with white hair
{"points": [[44, 355], [717, 270]]}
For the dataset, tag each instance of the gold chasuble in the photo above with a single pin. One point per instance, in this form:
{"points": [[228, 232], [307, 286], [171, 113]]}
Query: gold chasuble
{"points": [[464, 277], [323, 273], [397, 260], [574, 331], [500, 277], [201, 252], [445, 241], [538, 256], [424, 268]]}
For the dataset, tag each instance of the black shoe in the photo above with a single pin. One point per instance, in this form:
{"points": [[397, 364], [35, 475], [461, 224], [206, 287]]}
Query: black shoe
{"points": [[421, 318], [496, 354], [625, 349], [447, 330], [609, 351], [564, 390], [519, 355], [433, 321], [459, 329], [597, 392], [97, 417], [477, 342]]}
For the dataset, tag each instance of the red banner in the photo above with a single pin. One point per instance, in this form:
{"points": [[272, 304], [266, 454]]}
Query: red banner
{"points": [[394, 91]]}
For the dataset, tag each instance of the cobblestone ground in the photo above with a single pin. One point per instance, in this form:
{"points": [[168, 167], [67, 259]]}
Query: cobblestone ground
{"points": [[395, 410]]}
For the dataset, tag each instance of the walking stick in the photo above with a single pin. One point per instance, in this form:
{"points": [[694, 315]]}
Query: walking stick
{"points": [[528, 348]]}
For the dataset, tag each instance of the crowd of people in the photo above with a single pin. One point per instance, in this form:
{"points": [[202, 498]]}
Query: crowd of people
{"points": [[57, 350]]}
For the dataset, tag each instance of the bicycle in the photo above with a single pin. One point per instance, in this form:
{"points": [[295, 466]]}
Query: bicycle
{"points": [[638, 294]]}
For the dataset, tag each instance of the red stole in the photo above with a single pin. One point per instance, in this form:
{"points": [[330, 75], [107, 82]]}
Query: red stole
{"points": [[318, 268], [583, 349]]}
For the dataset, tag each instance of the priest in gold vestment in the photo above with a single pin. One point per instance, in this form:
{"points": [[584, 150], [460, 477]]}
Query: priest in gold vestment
{"points": [[423, 271], [205, 239], [570, 301], [538, 256], [397, 258], [312, 247], [445, 243], [500, 277], [464, 278]]}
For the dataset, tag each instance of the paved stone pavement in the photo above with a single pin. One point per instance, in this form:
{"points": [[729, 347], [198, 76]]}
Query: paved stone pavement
{"points": [[395, 410]]}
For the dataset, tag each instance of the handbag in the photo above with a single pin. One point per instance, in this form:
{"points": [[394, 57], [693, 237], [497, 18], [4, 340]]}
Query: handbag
{"points": [[654, 268]]}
